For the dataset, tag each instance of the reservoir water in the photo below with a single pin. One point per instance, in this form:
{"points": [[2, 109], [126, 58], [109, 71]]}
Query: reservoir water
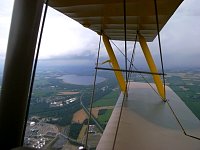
{"points": [[80, 80]]}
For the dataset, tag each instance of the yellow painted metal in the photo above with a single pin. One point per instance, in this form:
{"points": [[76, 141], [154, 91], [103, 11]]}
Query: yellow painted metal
{"points": [[115, 65], [107, 61], [152, 66]]}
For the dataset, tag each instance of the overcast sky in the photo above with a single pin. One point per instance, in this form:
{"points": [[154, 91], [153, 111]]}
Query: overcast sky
{"points": [[67, 42]]}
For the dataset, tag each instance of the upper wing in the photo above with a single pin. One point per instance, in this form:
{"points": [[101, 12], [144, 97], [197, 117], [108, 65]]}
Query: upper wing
{"points": [[107, 16]]}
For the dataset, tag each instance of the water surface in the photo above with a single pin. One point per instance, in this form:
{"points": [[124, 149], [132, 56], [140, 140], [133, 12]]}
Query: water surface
{"points": [[81, 80]]}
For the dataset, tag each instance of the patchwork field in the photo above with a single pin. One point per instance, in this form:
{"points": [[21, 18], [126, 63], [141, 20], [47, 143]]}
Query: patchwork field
{"points": [[186, 86], [80, 115]]}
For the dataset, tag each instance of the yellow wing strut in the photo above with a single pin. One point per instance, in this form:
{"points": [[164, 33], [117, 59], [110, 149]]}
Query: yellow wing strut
{"points": [[114, 63], [152, 66]]}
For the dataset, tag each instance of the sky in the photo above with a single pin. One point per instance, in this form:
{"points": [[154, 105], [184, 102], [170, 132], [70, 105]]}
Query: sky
{"points": [[66, 42]]}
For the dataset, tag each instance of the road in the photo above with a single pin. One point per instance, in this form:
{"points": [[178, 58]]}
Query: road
{"points": [[92, 117]]}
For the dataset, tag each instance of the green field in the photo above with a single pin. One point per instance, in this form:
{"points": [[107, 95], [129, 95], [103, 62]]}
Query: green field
{"points": [[108, 100], [190, 94], [194, 107], [105, 117]]}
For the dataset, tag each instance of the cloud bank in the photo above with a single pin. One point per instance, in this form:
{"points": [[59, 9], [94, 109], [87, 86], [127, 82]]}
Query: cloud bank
{"points": [[67, 42]]}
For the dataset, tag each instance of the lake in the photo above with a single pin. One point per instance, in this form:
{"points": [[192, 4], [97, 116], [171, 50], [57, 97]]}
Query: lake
{"points": [[80, 80]]}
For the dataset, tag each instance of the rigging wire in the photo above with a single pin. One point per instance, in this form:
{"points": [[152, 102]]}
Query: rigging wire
{"points": [[125, 45], [160, 48], [162, 64], [137, 70], [133, 54], [176, 117], [93, 92], [132, 71], [131, 63], [163, 73], [34, 69], [160, 97], [125, 94]]}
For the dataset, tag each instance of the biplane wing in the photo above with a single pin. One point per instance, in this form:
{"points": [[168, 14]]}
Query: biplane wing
{"points": [[141, 121], [107, 16]]}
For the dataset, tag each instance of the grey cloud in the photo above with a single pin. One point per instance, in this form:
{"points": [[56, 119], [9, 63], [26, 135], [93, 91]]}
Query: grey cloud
{"points": [[189, 8], [179, 37]]}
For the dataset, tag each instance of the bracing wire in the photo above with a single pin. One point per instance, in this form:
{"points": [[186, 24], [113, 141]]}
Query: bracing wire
{"points": [[160, 47], [136, 70], [125, 44], [133, 54], [131, 63], [176, 117], [93, 93], [174, 114], [162, 64], [132, 71], [125, 94], [34, 69]]}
